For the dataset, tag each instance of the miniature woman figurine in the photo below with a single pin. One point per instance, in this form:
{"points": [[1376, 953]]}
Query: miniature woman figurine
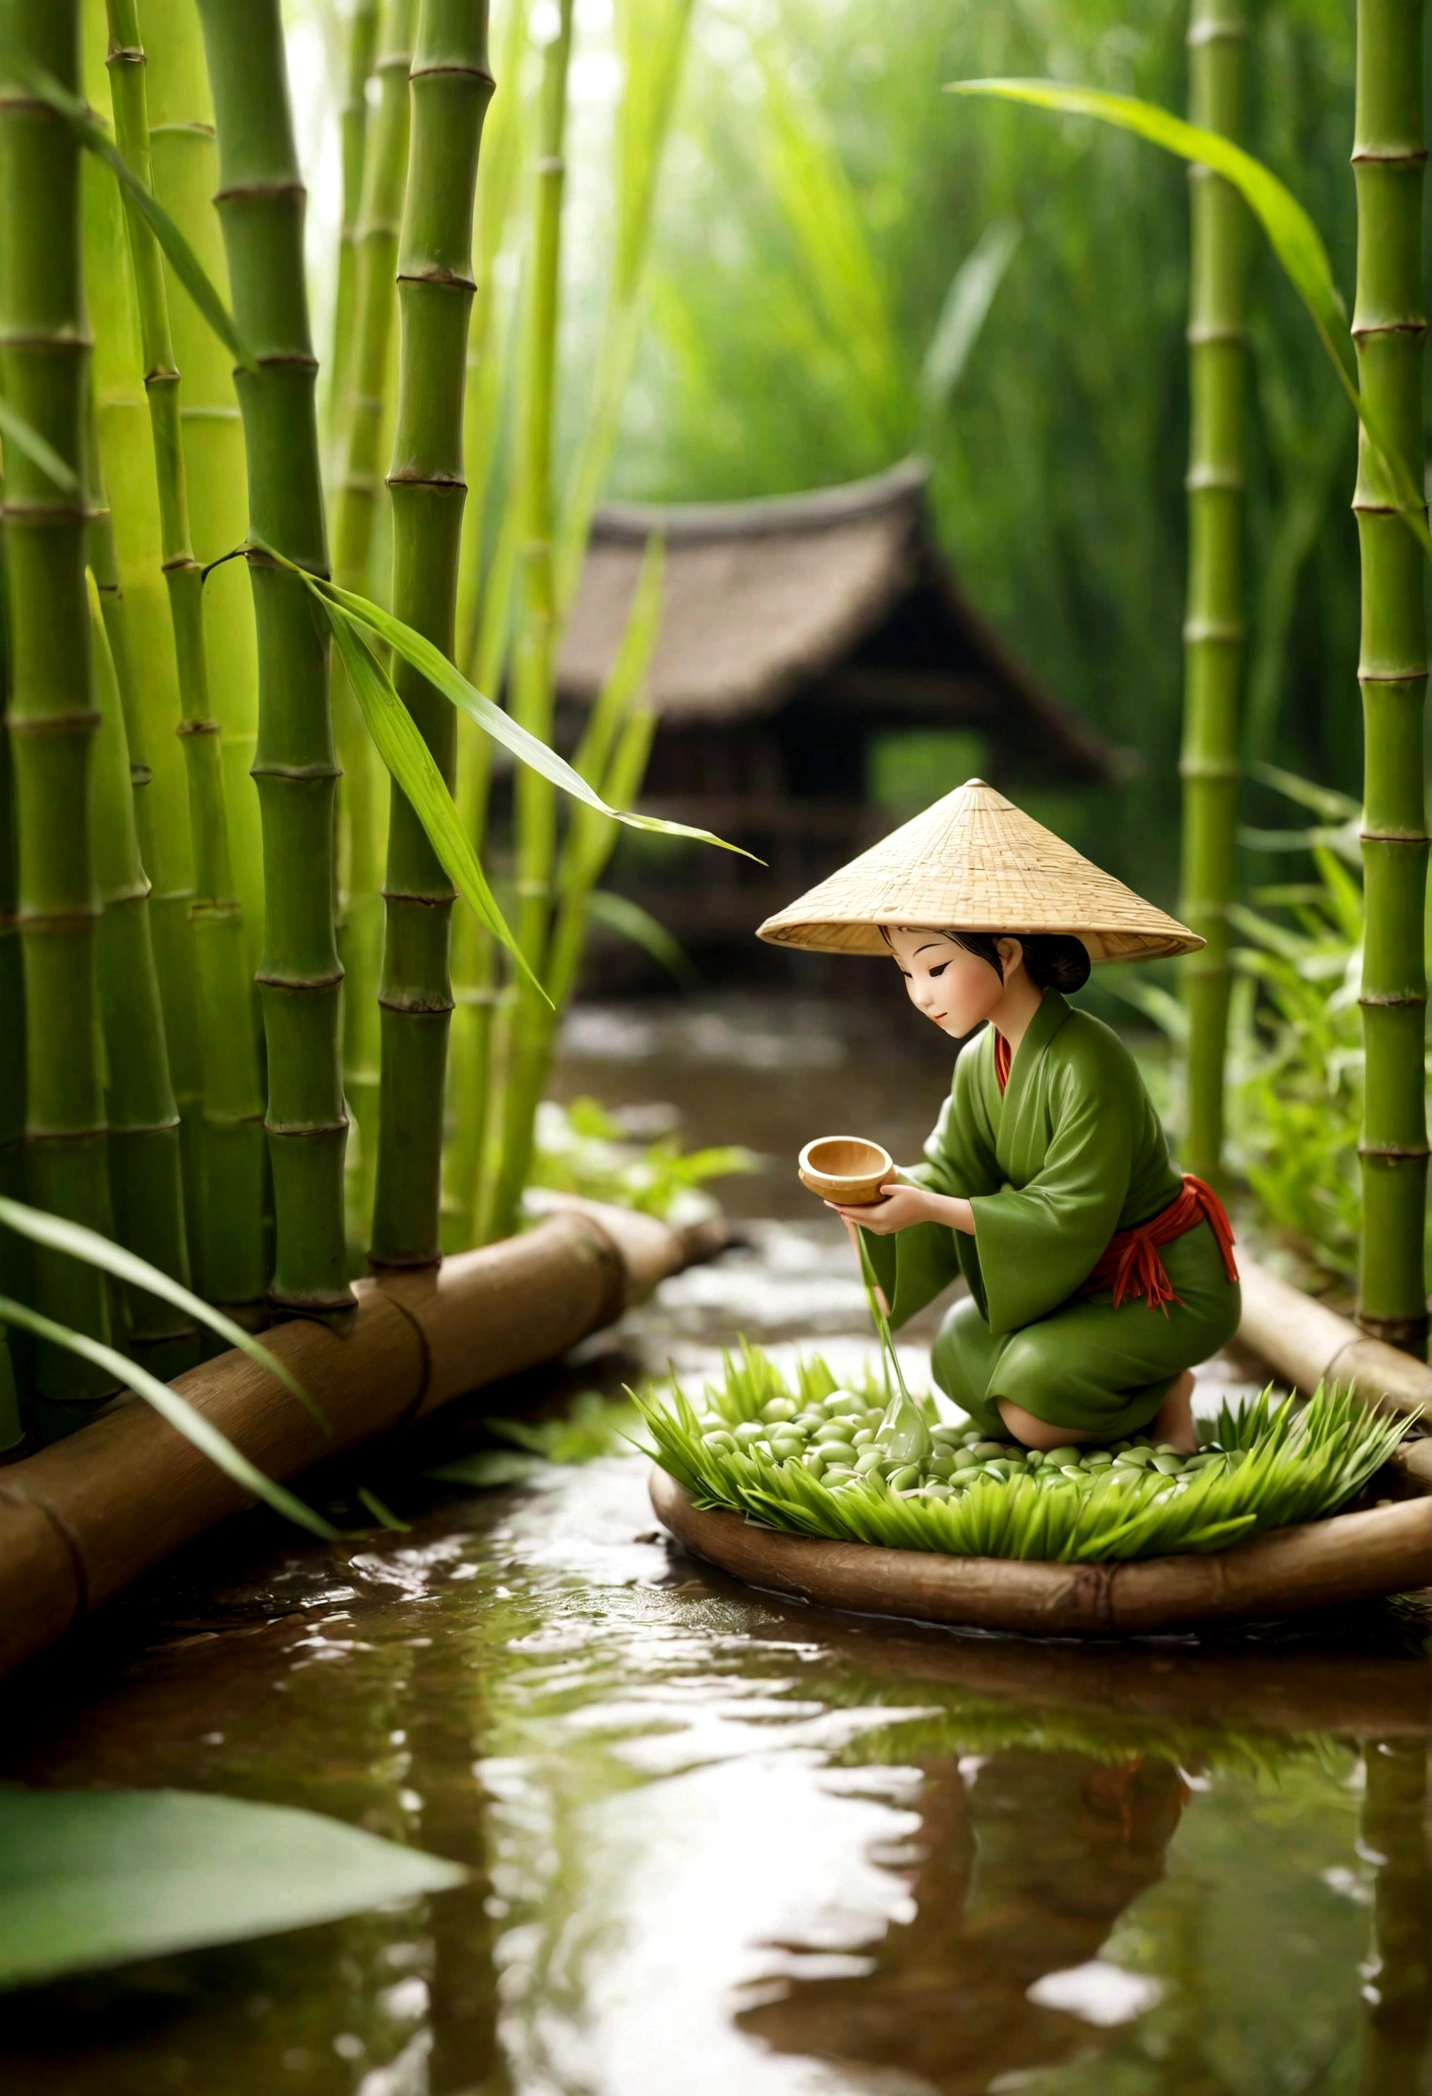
{"points": [[1098, 1274]]}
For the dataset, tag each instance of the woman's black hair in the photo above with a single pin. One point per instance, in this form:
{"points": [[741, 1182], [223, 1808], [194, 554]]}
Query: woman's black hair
{"points": [[1053, 960]]}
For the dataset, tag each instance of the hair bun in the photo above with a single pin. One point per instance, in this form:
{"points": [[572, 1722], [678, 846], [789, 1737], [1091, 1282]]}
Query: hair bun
{"points": [[1056, 961]]}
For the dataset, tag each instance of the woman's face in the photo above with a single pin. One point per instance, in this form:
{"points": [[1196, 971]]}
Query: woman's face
{"points": [[954, 988]]}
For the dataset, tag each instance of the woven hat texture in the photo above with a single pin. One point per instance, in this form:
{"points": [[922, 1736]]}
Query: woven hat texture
{"points": [[976, 863]]}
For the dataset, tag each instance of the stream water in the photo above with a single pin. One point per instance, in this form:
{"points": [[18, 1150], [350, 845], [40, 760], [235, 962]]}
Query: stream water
{"points": [[720, 1843]]}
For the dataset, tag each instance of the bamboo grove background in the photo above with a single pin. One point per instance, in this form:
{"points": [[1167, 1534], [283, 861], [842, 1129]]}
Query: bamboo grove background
{"points": [[686, 252]]}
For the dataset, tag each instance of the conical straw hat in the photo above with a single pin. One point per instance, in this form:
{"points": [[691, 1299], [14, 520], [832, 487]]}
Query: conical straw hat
{"points": [[976, 863]]}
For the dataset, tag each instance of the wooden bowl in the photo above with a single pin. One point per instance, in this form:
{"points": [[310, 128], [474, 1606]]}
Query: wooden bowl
{"points": [[846, 1168]]}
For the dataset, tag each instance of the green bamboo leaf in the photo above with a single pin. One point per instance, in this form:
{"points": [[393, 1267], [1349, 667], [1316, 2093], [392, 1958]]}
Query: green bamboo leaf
{"points": [[620, 914], [966, 308], [1322, 800], [410, 761], [58, 1234], [180, 1414], [1292, 235], [430, 662], [177, 252], [17, 431], [90, 1879]]}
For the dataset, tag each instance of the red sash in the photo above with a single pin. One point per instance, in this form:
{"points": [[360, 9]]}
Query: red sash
{"points": [[1130, 1262]]}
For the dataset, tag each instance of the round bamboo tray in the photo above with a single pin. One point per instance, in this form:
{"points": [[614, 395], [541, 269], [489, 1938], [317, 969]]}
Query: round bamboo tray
{"points": [[1353, 1557]]}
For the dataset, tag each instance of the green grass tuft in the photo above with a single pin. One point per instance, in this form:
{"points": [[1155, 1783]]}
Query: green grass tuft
{"points": [[1266, 1466]]}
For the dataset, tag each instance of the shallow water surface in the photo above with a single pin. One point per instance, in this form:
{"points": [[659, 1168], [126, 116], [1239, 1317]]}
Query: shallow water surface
{"points": [[719, 1844]]}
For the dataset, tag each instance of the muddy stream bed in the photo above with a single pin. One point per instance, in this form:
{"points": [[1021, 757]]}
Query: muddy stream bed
{"points": [[720, 1844]]}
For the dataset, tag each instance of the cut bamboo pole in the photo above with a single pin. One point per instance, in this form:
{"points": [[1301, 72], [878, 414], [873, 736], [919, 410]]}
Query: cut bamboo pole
{"points": [[1389, 329], [1213, 632], [261, 205], [451, 86], [85, 1517], [1321, 1564], [362, 803], [528, 1019], [1305, 1343], [44, 355], [186, 175], [353, 126], [230, 1222]]}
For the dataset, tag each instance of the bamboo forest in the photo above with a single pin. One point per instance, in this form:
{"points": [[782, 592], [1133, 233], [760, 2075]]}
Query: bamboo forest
{"points": [[714, 1065]]}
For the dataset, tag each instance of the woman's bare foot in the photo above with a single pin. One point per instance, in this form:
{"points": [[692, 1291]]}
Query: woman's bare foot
{"points": [[1173, 1421], [1037, 1433]]}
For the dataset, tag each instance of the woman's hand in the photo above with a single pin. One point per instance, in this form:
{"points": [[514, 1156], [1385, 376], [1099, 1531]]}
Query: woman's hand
{"points": [[903, 1207]]}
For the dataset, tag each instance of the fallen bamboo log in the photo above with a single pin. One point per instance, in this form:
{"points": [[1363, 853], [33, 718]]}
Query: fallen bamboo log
{"points": [[1322, 1564], [86, 1516], [1305, 1343]]}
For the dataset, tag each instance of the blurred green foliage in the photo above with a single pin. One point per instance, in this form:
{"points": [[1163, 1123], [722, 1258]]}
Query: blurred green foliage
{"points": [[819, 201], [583, 1150]]}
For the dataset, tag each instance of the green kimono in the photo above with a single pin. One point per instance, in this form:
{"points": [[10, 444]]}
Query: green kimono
{"points": [[1071, 1152]]}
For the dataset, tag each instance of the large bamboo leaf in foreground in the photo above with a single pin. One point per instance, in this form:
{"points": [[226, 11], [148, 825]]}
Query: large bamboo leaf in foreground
{"points": [[181, 1415], [1292, 235], [90, 1879]]}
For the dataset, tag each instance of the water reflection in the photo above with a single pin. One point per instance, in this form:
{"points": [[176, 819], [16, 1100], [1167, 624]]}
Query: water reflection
{"points": [[720, 1843], [1026, 1861]]}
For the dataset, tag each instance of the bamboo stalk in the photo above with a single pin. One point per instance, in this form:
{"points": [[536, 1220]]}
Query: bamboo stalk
{"points": [[613, 755], [1213, 632], [353, 126], [127, 554], [533, 664], [651, 36], [451, 86], [261, 203], [185, 165], [362, 803], [484, 588], [145, 1171], [50, 714], [14, 1254], [230, 1221], [1389, 328]]}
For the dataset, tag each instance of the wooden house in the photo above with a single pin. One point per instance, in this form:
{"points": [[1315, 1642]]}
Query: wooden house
{"points": [[795, 630]]}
